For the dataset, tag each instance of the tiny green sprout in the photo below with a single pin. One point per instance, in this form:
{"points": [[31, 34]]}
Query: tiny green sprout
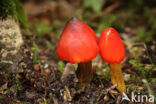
{"points": [[43, 101], [51, 95], [35, 59], [34, 51], [49, 45], [18, 84], [2, 97], [61, 66], [106, 74]]}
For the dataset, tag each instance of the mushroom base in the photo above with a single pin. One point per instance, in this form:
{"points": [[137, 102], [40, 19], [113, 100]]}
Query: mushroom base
{"points": [[117, 77], [84, 73]]}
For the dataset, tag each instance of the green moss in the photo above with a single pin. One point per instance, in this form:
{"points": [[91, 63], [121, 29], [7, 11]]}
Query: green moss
{"points": [[7, 7], [14, 9]]}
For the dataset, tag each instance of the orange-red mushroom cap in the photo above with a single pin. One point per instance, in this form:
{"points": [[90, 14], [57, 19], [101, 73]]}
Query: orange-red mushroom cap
{"points": [[111, 47], [78, 42]]}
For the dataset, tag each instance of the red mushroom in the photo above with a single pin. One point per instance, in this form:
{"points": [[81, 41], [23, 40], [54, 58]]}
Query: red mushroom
{"points": [[78, 44], [112, 51]]}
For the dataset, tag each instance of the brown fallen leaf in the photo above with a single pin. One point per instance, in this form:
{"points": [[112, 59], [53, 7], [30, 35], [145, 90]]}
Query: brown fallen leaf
{"points": [[111, 7], [19, 76], [68, 71], [18, 102], [111, 88], [36, 67], [67, 95], [112, 92], [47, 71], [106, 98], [55, 101], [4, 86], [30, 94]]}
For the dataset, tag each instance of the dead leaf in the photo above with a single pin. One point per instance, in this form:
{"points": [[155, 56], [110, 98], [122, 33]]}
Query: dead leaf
{"points": [[112, 92], [68, 71], [36, 67], [106, 98], [30, 94], [111, 7], [4, 86], [47, 71], [55, 101], [67, 95]]}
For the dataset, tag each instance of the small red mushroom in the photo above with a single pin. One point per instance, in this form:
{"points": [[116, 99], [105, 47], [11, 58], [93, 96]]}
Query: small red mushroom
{"points": [[112, 51], [78, 44]]}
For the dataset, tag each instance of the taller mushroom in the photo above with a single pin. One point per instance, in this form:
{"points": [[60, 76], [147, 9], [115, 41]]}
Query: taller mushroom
{"points": [[112, 51], [78, 44]]}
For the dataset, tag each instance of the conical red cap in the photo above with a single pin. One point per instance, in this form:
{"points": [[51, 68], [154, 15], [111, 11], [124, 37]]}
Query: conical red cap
{"points": [[78, 42], [111, 46]]}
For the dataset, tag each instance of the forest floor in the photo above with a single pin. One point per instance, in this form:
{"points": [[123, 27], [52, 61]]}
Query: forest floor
{"points": [[44, 79]]}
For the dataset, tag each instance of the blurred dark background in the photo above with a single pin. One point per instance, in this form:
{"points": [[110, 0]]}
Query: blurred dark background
{"points": [[135, 20]]}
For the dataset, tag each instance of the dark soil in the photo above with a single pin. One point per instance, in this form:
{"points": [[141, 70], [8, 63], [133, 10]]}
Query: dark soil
{"points": [[36, 82]]}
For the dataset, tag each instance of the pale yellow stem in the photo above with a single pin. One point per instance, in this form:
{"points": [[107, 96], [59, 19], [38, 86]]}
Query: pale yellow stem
{"points": [[117, 77]]}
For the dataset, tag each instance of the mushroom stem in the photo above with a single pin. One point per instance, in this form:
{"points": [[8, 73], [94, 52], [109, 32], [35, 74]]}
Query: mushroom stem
{"points": [[84, 73], [117, 77]]}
